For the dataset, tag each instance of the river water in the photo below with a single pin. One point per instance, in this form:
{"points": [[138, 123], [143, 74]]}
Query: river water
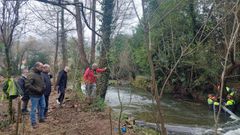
{"points": [[180, 114]]}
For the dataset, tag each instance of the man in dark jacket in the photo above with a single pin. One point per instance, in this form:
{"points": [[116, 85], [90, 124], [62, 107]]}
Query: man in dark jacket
{"points": [[47, 81], [35, 86], [21, 83], [62, 85]]}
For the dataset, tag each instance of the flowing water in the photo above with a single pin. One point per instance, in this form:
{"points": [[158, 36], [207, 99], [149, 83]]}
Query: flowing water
{"points": [[178, 114]]}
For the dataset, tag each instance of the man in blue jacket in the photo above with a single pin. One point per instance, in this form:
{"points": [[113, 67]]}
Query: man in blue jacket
{"points": [[61, 85], [47, 81]]}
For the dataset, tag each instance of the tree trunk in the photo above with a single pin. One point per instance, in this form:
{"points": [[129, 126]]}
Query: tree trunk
{"points": [[56, 53], [102, 82], [93, 43], [63, 40], [8, 60], [83, 58]]}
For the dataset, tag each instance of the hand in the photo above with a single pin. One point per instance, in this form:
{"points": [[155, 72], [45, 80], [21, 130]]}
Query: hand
{"points": [[105, 68]]}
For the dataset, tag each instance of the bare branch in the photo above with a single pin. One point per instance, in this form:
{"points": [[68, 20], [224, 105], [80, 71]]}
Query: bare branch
{"points": [[85, 20], [58, 4], [80, 4], [135, 9], [65, 3]]}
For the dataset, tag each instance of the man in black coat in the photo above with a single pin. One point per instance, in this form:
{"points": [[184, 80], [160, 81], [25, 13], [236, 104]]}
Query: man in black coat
{"points": [[61, 85], [21, 83], [47, 80]]}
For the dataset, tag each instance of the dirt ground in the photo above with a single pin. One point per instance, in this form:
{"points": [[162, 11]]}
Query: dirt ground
{"points": [[74, 118]]}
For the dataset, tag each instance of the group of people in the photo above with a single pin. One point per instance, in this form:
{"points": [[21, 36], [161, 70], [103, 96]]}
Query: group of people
{"points": [[36, 86], [228, 101]]}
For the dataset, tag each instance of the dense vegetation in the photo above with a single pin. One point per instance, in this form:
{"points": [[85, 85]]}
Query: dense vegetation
{"points": [[203, 26]]}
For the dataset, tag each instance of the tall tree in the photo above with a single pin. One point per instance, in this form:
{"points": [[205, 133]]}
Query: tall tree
{"points": [[56, 51], [93, 41], [108, 7], [79, 26], [63, 40]]}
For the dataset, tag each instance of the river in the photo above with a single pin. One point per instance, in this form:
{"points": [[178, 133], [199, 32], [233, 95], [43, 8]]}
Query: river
{"points": [[178, 114]]}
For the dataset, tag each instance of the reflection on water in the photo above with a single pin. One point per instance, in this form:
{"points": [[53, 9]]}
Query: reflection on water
{"points": [[139, 103]]}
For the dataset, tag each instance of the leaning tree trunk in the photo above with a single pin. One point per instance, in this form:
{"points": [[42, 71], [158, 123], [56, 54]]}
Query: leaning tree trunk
{"points": [[102, 83], [83, 58]]}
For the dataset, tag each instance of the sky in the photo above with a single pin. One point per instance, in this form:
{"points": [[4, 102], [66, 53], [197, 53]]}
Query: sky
{"points": [[41, 23]]}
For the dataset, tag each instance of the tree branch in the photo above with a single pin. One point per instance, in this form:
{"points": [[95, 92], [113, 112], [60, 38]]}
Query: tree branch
{"points": [[58, 4], [68, 3], [85, 20], [80, 4]]}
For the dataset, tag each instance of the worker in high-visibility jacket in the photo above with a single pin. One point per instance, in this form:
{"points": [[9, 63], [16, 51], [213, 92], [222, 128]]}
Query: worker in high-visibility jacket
{"points": [[11, 89], [230, 91], [215, 103], [230, 103], [210, 101]]}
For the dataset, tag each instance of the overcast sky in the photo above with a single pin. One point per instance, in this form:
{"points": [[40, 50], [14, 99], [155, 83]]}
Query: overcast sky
{"points": [[41, 19]]}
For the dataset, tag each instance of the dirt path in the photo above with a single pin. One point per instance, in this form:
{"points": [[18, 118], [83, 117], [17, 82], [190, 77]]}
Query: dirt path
{"points": [[75, 118]]}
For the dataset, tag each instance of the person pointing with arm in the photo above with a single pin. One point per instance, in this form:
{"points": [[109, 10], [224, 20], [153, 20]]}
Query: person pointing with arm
{"points": [[90, 78]]}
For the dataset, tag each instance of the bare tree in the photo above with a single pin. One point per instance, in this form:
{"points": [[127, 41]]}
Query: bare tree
{"points": [[79, 26], [8, 23], [154, 87]]}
